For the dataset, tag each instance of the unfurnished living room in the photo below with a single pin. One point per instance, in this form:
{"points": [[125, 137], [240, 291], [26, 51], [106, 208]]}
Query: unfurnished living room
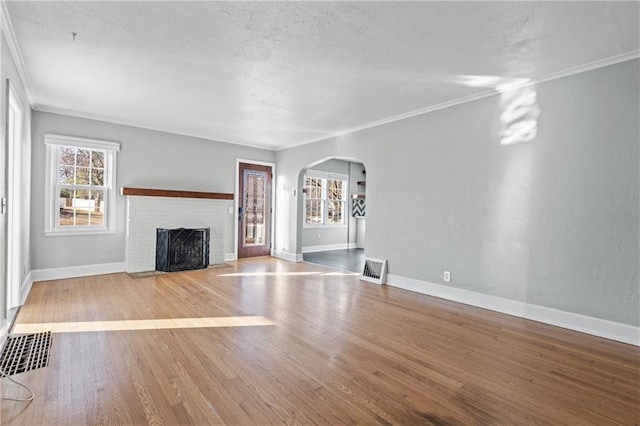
{"points": [[252, 213]]}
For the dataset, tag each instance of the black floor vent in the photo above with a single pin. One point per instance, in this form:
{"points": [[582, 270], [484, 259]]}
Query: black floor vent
{"points": [[25, 352]]}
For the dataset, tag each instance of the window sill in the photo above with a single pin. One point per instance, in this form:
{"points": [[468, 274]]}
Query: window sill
{"points": [[83, 232], [310, 226]]}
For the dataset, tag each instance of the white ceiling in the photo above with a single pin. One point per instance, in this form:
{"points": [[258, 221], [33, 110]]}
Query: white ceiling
{"points": [[281, 74]]}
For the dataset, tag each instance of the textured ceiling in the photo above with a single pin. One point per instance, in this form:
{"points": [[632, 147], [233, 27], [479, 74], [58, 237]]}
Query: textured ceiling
{"points": [[281, 74]]}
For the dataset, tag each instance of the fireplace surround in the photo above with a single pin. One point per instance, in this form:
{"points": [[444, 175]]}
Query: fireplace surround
{"points": [[150, 209]]}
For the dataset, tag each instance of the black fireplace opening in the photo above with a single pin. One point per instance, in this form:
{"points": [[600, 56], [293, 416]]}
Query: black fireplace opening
{"points": [[182, 249]]}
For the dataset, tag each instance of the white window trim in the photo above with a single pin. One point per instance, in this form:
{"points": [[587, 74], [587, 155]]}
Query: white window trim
{"points": [[326, 175], [52, 143]]}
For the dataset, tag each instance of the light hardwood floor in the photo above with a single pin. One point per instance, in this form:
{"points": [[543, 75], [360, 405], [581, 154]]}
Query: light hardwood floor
{"points": [[265, 341]]}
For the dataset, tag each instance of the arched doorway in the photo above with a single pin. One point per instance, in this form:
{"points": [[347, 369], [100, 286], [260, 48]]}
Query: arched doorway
{"points": [[332, 215]]}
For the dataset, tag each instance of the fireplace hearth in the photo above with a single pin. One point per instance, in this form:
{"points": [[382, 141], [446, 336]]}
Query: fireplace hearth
{"points": [[182, 249]]}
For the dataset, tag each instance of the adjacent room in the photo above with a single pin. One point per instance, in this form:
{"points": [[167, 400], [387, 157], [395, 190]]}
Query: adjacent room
{"points": [[252, 213]]}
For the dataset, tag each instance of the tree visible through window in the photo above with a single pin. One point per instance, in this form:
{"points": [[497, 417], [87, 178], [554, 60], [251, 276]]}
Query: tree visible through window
{"points": [[81, 187], [325, 199], [336, 196], [314, 203], [81, 181]]}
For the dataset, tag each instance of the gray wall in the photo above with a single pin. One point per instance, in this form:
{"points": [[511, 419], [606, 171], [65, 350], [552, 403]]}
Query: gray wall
{"points": [[10, 72], [148, 159], [552, 222]]}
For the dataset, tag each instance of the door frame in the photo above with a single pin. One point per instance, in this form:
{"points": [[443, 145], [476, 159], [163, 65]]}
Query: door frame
{"points": [[237, 202], [13, 252]]}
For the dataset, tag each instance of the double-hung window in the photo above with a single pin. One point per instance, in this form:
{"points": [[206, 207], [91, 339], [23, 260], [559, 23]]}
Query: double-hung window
{"points": [[325, 199], [80, 195]]}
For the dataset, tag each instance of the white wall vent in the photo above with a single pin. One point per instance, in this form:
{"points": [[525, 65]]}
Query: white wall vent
{"points": [[375, 271]]}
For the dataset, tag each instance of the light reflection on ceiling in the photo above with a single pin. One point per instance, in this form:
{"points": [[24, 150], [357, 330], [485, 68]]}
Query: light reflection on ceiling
{"points": [[519, 117], [518, 103]]}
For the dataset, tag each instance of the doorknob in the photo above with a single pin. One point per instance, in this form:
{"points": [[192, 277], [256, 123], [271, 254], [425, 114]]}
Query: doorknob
{"points": [[240, 214], [3, 205]]}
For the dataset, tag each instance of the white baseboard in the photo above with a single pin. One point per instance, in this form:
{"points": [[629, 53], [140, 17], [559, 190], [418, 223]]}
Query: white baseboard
{"points": [[598, 327], [230, 257], [291, 257], [3, 333], [329, 247], [77, 271], [25, 288]]}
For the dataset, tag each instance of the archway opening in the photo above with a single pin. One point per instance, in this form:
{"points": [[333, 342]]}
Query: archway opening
{"points": [[331, 213]]}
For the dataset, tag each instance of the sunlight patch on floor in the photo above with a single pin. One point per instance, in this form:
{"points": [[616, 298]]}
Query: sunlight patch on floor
{"points": [[148, 324], [340, 274], [270, 274]]}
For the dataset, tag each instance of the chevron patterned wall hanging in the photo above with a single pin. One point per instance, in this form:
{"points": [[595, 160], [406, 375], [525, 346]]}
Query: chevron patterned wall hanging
{"points": [[357, 209]]}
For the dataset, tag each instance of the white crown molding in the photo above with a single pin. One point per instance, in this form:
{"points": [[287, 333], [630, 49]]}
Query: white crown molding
{"points": [[14, 47], [98, 117], [595, 326], [601, 63], [484, 94]]}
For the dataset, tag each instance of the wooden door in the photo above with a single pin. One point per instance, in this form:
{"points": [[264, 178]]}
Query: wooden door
{"points": [[255, 208]]}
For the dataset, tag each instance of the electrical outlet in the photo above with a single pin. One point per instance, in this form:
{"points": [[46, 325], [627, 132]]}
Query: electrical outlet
{"points": [[318, 235], [447, 277]]}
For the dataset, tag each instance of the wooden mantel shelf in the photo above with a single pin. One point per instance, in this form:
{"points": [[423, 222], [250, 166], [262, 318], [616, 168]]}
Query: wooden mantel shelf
{"points": [[145, 192]]}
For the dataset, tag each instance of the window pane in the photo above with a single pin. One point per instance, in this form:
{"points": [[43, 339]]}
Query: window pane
{"points": [[67, 156], [82, 176], [313, 211], [66, 175], [97, 159], [335, 189], [70, 214], [67, 217], [96, 217], [81, 208], [82, 157], [97, 177], [334, 215], [314, 188]]}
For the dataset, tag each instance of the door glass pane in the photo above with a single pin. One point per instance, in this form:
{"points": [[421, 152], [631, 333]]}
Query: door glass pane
{"points": [[253, 226]]}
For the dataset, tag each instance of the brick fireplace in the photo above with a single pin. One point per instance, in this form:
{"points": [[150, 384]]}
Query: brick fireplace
{"points": [[150, 209]]}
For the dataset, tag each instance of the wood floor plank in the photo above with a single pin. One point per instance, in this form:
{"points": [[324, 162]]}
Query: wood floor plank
{"points": [[338, 351]]}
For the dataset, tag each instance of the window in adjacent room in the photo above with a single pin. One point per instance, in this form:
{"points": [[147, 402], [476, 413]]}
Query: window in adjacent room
{"points": [[325, 199], [80, 195]]}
